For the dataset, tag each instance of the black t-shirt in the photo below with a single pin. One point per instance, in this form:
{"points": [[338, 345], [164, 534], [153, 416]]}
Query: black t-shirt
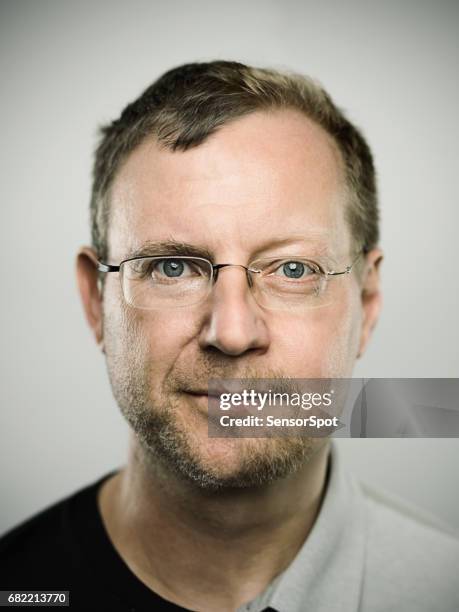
{"points": [[66, 548]]}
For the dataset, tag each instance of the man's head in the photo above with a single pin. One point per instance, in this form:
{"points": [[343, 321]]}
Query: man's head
{"points": [[239, 164]]}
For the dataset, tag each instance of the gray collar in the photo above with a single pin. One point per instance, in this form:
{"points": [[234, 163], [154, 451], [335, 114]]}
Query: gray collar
{"points": [[327, 573]]}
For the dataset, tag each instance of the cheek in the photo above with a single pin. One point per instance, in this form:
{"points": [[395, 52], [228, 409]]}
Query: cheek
{"points": [[145, 339], [161, 337], [322, 343], [341, 332]]}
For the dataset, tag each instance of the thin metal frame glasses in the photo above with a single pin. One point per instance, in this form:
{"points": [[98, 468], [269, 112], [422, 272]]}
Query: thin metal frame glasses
{"points": [[158, 283]]}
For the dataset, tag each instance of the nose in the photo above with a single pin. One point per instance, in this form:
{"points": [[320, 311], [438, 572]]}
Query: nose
{"points": [[233, 323]]}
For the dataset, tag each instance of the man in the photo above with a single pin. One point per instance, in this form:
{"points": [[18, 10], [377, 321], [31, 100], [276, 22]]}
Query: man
{"points": [[220, 163]]}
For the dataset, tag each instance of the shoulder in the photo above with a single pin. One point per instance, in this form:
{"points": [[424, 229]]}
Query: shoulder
{"points": [[40, 547], [44, 526], [411, 556]]}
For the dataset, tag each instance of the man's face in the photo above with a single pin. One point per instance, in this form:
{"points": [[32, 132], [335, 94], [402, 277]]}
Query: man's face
{"points": [[265, 185]]}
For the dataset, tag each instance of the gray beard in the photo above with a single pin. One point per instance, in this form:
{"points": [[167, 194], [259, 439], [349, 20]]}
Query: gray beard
{"points": [[162, 441]]}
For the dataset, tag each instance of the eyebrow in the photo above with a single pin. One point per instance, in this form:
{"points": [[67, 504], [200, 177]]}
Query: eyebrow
{"points": [[152, 248], [314, 242]]}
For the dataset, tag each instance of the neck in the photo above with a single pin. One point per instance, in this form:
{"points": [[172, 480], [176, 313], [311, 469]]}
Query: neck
{"points": [[168, 531]]}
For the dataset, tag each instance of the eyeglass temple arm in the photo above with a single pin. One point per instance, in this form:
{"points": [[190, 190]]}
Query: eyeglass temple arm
{"points": [[363, 251], [103, 267]]}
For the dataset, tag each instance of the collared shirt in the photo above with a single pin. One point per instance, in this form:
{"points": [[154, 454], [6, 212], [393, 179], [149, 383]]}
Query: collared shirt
{"points": [[367, 551]]}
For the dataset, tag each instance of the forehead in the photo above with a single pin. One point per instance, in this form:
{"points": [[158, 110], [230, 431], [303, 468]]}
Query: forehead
{"points": [[266, 177]]}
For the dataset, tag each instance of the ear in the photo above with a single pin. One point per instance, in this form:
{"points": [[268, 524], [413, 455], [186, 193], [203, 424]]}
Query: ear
{"points": [[370, 296], [91, 296]]}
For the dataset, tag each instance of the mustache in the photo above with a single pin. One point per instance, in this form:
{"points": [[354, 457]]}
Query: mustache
{"points": [[202, 377]]}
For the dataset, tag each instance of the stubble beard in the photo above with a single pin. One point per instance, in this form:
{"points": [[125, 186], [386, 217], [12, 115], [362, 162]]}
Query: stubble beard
{"points": [[169, 442]]}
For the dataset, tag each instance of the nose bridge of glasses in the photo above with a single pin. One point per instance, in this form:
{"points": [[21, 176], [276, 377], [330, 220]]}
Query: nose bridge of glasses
{"points": [[248, 271]]}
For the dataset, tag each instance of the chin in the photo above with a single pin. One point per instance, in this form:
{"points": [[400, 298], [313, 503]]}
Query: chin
{"points": [[240, 463], [226, 456]]}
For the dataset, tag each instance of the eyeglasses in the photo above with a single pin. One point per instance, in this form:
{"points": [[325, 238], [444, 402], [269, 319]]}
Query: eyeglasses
{"points": [[282, 283]]}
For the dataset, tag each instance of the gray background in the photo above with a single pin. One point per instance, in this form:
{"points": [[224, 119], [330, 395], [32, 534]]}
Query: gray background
{"points": [[68, 66]]}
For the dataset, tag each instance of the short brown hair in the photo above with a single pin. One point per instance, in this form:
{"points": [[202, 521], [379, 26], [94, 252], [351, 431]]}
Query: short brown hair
{"points": [[188, 103]]}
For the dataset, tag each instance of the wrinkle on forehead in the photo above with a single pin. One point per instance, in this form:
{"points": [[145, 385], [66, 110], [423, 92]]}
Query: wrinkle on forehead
{"points": [[251, 177]]}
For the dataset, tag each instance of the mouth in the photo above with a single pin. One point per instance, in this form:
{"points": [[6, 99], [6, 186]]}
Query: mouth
{"points": [[207, 393], [203, 400], [210, 404]]}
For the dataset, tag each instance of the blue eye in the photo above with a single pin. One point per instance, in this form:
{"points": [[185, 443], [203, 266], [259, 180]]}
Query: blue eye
{"points": [[171, 267], [296, 269], [176, 268], [293, 269]]}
